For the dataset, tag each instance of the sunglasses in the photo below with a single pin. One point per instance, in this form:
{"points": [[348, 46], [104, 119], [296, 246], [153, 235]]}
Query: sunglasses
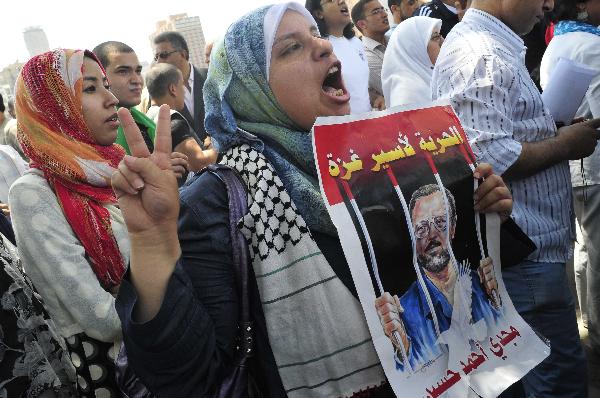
{"points": [[163, 54]]}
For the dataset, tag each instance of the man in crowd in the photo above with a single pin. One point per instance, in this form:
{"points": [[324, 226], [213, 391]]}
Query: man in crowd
{"points": [[401, 10], [3, 120], [8, 135], [449, 11], [171, 48], [417, 329], [370, 18], [124, 73], [165, 85], [481, 70]]}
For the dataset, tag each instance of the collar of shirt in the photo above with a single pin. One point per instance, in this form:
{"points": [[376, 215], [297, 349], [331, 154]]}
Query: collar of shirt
{"points": [[189, 93], [191, 78], [497, 27], [372, 44], [451, 9]]}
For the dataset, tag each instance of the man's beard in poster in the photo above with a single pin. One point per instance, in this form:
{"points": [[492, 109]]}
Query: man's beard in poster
{"points": [[434, 263]]}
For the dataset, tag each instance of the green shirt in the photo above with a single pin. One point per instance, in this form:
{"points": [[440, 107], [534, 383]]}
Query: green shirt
{"points": [[147, 128]]}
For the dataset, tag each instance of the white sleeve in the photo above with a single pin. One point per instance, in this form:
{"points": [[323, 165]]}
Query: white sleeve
{"points": [[56, 262], [592, 59], [484, 94]]}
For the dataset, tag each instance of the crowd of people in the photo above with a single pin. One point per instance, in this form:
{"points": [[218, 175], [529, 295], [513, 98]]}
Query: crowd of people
{"points": [[119, 265]]}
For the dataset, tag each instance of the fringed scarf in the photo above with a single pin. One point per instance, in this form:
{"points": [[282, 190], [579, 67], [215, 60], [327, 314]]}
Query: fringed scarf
{"points": [[54, 135]]}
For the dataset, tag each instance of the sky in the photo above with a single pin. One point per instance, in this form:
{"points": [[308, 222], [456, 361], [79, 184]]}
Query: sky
{"points": [[84, 24]]}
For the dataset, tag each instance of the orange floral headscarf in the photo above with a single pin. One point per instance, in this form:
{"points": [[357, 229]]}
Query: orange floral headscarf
{"points": [[53, 134]]}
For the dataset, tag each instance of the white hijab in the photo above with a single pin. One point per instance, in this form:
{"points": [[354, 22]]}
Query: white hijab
{"points": [[273, 19], [407, 68]]}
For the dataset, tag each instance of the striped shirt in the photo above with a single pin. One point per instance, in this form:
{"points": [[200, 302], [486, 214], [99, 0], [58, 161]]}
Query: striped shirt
{"points": [[481, 69], [374, 51]]}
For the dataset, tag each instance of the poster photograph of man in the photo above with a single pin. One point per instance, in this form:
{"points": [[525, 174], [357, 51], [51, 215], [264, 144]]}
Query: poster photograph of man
{"points": [[401, 190]]}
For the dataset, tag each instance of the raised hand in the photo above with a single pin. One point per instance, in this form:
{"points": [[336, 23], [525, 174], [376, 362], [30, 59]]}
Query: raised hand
{"points": [[389, 310], [146, 188], [487, 277], [144, 183]]}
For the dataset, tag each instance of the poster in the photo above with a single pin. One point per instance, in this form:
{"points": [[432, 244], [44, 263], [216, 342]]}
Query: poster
{"points": [[399, 188]]}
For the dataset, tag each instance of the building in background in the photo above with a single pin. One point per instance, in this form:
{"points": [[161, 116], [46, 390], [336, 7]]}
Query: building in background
{"points": [[191, 29], [35, 40], [8, 78]]}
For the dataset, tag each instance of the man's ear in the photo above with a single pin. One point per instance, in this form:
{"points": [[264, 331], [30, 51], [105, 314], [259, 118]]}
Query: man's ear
{"points": [[186, 54], [173, 90], [361, 25]]}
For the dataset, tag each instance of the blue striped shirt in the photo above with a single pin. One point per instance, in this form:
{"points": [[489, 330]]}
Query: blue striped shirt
{"points": [[481, 69]]}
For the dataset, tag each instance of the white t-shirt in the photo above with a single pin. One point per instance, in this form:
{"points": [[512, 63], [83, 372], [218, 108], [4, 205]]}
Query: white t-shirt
{"points": [[355, 71], [584, 48]]}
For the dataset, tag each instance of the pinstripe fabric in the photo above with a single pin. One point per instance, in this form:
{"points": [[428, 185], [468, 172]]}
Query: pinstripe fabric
{"points": [[481, 68]]}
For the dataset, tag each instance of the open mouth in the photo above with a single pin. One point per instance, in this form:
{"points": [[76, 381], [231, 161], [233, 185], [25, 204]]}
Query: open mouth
{"points": [[333, 84], [344, 10], [113, 121]]}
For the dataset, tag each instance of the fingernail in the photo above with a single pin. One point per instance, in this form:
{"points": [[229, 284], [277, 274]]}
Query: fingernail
{"points": [[138, 184], [128, 159]]}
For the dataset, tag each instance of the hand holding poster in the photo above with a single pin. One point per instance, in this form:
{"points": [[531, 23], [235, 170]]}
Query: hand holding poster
{"points": [[399, 188]]}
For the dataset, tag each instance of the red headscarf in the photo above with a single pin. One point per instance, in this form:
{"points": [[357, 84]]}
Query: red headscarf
{"points": [[53, 133]]}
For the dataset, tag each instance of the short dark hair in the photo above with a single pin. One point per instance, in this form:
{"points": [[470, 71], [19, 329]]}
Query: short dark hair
{"points": [[565, 10], [102, 51], [426, 190], [315, 5], [2, 108], [358, 12], [394, 3], [160, 77], [175, 38]]}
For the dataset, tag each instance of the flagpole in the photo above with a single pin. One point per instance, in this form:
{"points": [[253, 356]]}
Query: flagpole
{"points": [[411, 231], [375, 270]]}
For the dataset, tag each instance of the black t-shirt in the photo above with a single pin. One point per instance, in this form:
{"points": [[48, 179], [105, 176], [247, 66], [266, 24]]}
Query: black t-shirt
{"points": [[181, 130], [146, 137], [437, 9]]}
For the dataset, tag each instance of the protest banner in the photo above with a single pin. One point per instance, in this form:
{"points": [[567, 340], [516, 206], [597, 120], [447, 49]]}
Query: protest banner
{"points": [[399, 188]]}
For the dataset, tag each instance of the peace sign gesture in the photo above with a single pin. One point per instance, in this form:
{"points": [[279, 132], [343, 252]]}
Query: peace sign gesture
{"points": [[144, 183], [146, 188]]}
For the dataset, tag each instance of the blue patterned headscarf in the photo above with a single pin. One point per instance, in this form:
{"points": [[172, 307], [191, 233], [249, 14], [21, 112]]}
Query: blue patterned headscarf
{"points": [[241, 109], [575, 26]]}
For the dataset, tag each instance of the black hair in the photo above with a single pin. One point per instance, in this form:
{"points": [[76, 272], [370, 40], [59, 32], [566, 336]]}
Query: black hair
{"points": [[160, 77], [358, 12], [429, 189], [176, 39], [2, 108], [315, 5], [104, 49], [565, 10], [394, 3]]}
